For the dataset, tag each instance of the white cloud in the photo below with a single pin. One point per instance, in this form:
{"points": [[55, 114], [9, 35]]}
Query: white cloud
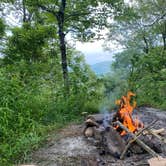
{"points": [[94, 52]]}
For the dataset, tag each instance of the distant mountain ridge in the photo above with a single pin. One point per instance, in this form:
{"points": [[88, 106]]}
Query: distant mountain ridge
{"points": [[101, 67]]}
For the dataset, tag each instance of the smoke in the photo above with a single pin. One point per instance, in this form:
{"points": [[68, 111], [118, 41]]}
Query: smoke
{"points": [[107, 117]]}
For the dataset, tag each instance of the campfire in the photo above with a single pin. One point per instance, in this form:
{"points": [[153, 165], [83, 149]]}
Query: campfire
{"points": [[121, 134], [124, 115]]}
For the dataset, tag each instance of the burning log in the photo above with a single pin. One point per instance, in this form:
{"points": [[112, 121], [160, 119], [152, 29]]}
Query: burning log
{"points": [[124, 115], [135, 138]]}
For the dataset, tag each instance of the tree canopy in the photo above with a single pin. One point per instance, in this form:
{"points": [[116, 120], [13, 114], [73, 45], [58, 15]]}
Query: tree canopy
{"points": [[140, 31]]}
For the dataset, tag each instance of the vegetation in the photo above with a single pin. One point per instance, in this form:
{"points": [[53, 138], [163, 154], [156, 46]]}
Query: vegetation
{"points": [[32, 91], [141, 32], [45, 83]]}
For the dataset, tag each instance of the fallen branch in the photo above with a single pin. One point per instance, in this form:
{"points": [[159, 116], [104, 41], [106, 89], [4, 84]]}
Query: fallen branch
{"points": [[157, 136], [158, 131]]}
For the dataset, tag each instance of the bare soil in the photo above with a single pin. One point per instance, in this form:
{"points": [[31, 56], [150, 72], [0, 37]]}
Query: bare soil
{"points": [[70, 148]]}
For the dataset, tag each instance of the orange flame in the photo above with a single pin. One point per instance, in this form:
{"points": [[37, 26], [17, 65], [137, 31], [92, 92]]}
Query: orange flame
{"points": [[124, 114]]}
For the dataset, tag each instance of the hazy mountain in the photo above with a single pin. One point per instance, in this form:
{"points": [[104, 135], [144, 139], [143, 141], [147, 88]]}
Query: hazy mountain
{"points": [[101, 67]]}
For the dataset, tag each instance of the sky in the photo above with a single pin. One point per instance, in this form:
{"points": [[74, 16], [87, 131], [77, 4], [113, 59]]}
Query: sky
{"points": [[94, 52]]}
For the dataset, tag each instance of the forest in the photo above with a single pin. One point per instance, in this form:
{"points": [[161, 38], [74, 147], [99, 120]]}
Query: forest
{"points": [[45, 83]]}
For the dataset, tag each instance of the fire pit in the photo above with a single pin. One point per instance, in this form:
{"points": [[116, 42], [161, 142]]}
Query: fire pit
{"points": [[120, 134]]}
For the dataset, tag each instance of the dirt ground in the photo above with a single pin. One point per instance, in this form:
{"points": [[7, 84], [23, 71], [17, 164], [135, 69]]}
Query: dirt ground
{"points": [[70, 148]]}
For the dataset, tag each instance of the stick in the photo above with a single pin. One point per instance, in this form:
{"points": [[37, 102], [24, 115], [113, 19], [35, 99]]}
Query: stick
{"points": [[127, 146], [134, 139], [157, 136], [156, 131], [141, 143], [147, 127]]}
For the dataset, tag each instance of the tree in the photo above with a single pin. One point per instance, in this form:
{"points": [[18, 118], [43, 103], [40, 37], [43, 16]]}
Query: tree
{"points": [[2, 34], [140, 31], [140, 25], [27, 43], [2, 28], [78, 17]]}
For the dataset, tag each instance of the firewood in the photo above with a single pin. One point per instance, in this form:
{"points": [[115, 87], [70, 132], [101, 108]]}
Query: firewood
{"points": [[96, 117], [134, 139], [90, 122], [141, 143], [157, 136], [156, 131]]}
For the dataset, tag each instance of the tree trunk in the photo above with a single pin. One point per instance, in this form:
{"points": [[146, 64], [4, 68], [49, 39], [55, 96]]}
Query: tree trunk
{"points": [[164, 40], [60, 19], [146, 49], [60, 15], [164, 36], [24, 11]]}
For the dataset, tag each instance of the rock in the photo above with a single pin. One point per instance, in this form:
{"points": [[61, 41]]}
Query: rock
{"points": [[89, 132]]}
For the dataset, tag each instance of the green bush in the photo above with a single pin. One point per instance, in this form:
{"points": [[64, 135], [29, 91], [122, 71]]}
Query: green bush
{"points": [[29, 105]]}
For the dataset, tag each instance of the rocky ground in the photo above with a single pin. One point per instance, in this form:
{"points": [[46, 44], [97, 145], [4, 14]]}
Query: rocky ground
{"points": [[70, 148]]}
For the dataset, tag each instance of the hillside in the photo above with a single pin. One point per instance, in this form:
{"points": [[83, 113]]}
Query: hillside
{"points": [[102, 67]]}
